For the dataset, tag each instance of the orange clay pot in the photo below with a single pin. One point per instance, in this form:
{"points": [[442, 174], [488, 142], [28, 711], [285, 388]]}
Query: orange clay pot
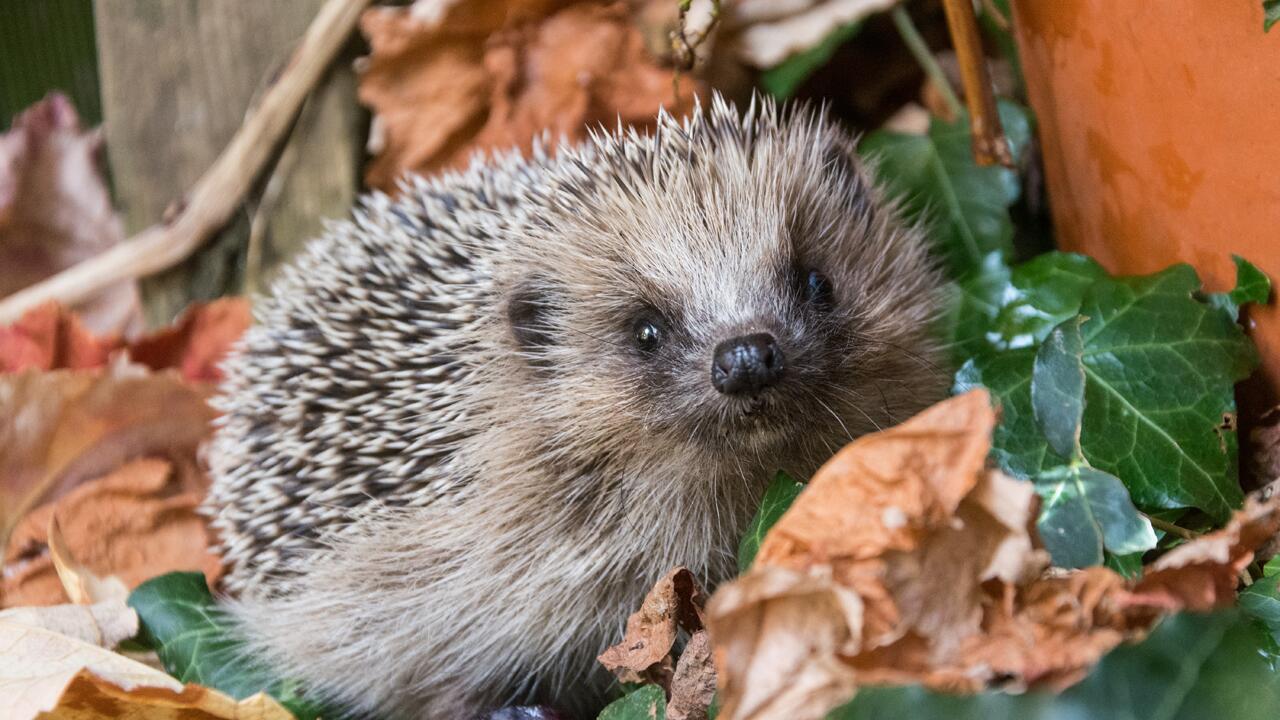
{"points": [[1160, 126]]}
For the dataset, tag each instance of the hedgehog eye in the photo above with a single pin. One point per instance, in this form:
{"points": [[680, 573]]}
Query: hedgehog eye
{"points": [[647, 334], [818, 291]]}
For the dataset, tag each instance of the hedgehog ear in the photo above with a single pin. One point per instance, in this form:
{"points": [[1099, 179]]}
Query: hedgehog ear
{"points": [[529, 309], [842, 164]]}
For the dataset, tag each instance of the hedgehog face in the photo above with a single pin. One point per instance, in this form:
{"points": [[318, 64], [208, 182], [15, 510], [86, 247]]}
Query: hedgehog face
{"points": [[748, 294]]}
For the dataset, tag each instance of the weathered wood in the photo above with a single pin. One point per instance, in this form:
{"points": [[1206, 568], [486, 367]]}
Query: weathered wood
{"points": [[177, 78]]}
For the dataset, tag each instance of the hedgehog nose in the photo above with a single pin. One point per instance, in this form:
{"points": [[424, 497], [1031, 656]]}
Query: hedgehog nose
{"points": [[746, 364]]}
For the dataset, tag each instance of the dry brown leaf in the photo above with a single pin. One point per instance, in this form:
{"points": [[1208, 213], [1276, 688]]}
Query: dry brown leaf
{"points": [[61, 428], [137, 522], [674, 603], [104, 624], [1203, 574], [769, 32], [934, 578], [694, 683], [55, 209], [447, 79], [197, 341], [49, 337], [82, 585], [51, 676], [806, 620]]}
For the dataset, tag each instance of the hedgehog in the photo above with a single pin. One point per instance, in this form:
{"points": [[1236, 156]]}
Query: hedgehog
{"points": [[473, 424]]}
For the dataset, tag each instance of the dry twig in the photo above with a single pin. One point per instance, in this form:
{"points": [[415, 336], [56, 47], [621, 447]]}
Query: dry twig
{"points": [[989, 143], [217, 194]]}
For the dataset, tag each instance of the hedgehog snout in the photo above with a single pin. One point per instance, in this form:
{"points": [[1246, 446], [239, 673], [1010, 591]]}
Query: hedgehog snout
{"points": [[747, 364]]}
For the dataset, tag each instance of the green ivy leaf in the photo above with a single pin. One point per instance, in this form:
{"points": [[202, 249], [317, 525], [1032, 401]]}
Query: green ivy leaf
{"points": [[1261, 600], [1252, 286], [972, 308], [1017, 445], [777, 498], [1083, 510], [1086, 510], [1191, 667], [195, 642], [1270, 13], [1129, 566], [1043, 292], [783, 80], [1160, 368], [936, 178], [647, 703], [1057, 387]]}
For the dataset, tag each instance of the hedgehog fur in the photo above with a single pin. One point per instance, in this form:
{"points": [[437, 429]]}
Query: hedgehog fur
{"points": [[446, 471]]}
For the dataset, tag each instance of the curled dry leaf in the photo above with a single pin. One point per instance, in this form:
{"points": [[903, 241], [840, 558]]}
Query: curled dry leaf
{"points": [[769, 32], [1203, 574], [196, 343], [55, 209], [50, 337], [907, 561], [448, 79], [693, 684], [61, 428], [104, 624], [82, 585], [137, 522], [675, 602], [52, 676]]}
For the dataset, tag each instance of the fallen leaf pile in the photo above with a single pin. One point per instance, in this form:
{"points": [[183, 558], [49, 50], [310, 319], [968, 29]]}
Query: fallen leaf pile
{"points": [[50, 337], [59, 661], [65, 678], [448, 79], [938, 579], [102, 434], [55, 209], [675, 603]]}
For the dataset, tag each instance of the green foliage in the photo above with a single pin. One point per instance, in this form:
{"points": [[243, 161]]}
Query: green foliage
{"points": [[783, 80], [937, 180], [1084, 510], [973, 306], [1261, 600], [1005, 309], [777, 498], [1252, 286], [1057, 387], [1129, 566], [1160, 367], [196, 644], [1270, 13], [649, 702], [1042, 293], [1192, 667]]}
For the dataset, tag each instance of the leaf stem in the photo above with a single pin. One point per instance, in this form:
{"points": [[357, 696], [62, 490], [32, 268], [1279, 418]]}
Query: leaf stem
{"points": [[1172, 529], [990, 146], [920, 50]]}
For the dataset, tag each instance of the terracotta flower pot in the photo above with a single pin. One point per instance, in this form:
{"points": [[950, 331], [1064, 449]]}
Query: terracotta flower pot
{"points": [[1160, 125]]}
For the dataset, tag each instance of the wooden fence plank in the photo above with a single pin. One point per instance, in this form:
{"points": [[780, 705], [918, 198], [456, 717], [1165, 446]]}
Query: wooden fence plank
{"points": [[177, 77]]}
